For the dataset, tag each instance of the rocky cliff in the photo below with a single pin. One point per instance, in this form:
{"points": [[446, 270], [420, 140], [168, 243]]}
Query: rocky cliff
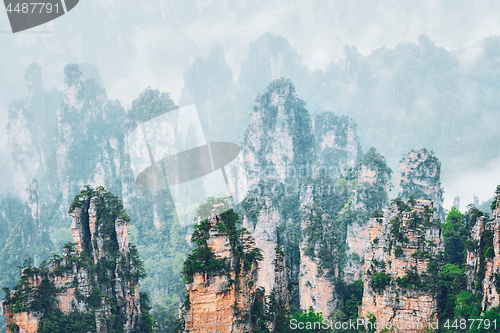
{"points": [[299, 174], [30, 130], [221, 275], [307, 190], [85, 124], [374, 178], [283, 146], [283, 142], [94, 286], [61, 140], [89, 140], [316, 287], [419, 176], [483, 259], [265, 233], [398, 283]]}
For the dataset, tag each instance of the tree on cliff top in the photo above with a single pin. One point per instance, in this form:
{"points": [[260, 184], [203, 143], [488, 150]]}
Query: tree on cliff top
{"points": [[151, 103], [202, 259]]}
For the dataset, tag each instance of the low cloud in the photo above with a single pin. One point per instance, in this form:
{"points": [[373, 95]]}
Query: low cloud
{"points": [[482, 182]]}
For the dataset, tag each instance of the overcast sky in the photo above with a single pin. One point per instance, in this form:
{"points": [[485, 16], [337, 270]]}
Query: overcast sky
{"points": [[144, 43]]}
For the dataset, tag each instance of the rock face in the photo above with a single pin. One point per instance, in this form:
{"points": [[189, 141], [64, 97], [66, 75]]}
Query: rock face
{"points": [[96, 278], [484, 259], [283, 142], [419, 176], [303, 175], [372, 172], [30, 130], [221, 300], [61, 140], [316, 289], [265, 233], [358, 240], [283, 146], [397, 287], [280, 291], [474, 255], [299, 174], [86, 115], [81, 116]]}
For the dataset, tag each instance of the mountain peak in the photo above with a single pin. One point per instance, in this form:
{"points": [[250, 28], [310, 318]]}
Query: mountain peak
{"points": [[93, 286]]}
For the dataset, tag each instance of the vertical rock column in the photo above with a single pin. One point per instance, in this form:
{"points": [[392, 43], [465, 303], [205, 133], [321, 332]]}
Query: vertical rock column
{"points": [[220, 302], [491, 281], [316, 290], [266, 238], [419, 175], [99, 229], [372, 173], [402, 243]]}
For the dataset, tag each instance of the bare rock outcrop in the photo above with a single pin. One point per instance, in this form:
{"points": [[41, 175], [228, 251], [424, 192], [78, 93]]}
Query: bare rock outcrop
{"points": [[283, 146], [374, 177], [285, 143], [398, 288], [30, 131], [96, 279], [222, 275], [419, 175], [483, 259], [315, 281]]}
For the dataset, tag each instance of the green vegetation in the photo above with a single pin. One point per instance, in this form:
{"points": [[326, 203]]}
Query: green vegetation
{"points": [[150, 104], [350, 297], [265, 312], [398, 251], [110, 266], [496, 198], [455, 236], [203, 260], [454, 299], [468, 305], [311, 320], [380, 281], [412, 280], [490, 320]]}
